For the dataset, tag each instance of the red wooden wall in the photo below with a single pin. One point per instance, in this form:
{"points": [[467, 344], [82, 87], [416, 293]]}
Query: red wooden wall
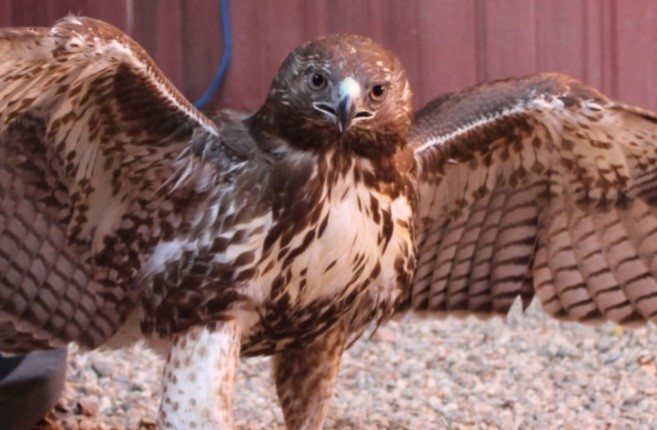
{"points": [[444, 44]]}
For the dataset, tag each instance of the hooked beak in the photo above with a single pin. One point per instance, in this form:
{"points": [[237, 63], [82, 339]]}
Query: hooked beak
{"points": [[344, 111]]}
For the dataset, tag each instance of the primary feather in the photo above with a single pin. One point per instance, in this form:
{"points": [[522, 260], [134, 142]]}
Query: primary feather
{"points": [[536, 186]]}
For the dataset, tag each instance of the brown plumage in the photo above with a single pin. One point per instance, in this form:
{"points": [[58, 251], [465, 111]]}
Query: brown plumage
{"points": [[125, 213]]}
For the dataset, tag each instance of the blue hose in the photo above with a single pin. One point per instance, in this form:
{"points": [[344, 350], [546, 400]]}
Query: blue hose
{"points": [[225, 59]]}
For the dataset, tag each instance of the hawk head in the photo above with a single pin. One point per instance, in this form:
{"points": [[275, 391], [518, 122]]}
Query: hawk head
{"points": [[342, 90]]}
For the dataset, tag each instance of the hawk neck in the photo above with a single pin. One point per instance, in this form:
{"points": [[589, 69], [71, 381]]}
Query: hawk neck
{"points": [[276, 128]]}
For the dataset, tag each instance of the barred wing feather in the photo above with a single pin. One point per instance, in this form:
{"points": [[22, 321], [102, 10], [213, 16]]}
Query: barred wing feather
{"points": [[536, 186], [88, 128]]}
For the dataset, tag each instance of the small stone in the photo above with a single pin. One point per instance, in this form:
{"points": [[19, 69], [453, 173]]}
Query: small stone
{"points": [[533, 374], [88, 406], [383, 334], [86, 425], [146, 424], [617, 331], [101, 367]]}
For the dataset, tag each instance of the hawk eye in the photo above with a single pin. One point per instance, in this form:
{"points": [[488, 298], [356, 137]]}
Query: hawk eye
{"points": [[317, 81], [377, 92]]}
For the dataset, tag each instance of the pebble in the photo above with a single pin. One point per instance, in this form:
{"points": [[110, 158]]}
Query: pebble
{"points": [[101, 366], [88, 406], [529, 373]]}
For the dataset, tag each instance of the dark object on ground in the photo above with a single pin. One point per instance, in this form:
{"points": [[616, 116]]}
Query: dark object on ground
{"points": [[30, 386]]}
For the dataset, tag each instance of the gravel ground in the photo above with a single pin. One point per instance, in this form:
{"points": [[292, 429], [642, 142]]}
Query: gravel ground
{"points": [[526, 372]]}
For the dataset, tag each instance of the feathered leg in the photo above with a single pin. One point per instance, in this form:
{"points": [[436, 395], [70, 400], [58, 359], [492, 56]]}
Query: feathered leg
{"points": [[199, 378], [305, 378]]}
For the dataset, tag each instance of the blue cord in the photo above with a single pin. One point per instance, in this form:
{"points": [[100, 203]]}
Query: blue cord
{"points": [[225, 59]]}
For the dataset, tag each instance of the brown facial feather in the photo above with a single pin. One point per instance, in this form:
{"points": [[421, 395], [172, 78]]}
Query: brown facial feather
{"points": [[288, 112]]}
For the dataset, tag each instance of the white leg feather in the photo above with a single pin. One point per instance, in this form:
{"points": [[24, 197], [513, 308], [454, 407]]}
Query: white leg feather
{"points": [[199, 378]]}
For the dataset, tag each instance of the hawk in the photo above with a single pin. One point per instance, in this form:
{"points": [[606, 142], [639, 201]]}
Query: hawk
{"points": [[125, 213]]}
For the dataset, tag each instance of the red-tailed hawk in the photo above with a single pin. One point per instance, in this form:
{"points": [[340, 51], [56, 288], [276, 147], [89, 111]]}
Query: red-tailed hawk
{"points": [[126, 212]]}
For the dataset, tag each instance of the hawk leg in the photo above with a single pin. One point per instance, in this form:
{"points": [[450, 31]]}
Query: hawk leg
{"points": [[305, 379], [199, 378]]}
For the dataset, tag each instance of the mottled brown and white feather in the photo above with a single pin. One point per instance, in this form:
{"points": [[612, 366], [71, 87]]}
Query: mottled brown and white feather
{"points": [[289, 231], [89, 132], [536, 186]]}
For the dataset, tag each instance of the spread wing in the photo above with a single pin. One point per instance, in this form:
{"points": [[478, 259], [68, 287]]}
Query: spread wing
{"points": [[89, 132], [537, 186]]}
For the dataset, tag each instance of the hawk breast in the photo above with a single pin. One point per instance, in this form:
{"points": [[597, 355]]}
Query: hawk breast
{"points": [[358, 249]]}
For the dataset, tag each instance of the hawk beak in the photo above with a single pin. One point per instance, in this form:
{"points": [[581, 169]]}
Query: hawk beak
{"points": [[344, 112], [348, 95]]}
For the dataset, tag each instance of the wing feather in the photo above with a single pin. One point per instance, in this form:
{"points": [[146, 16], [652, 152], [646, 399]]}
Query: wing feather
{"points": [[513, 246], [490, 207], [90, 131], [536, 186]]}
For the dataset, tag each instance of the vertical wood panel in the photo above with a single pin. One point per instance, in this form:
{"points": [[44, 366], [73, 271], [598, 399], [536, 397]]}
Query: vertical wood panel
{"points": [[5, 13], [157, 27], [279, 21], [447, 36], [444, 45], [144, 29], [395, 26], [508, 45], [170, 39], [599, 44], [57, 9], [115, 12], [314, 20], [30, 13], [244, 86], [561, 37], [636, 55], [347, 16], [202, 45]]}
